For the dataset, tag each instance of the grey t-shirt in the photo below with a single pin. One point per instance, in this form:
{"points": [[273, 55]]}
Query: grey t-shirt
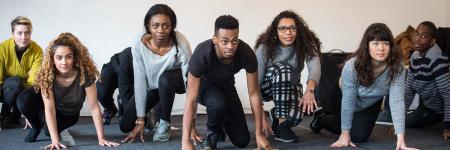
{"points": [[69, 100]]}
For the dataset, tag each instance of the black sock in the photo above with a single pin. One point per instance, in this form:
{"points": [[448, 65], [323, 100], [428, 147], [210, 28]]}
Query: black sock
{"points": [[33, 133]]}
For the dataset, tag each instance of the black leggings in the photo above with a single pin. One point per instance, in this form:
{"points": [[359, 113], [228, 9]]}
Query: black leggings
{"points": [[170, 82], [225, 110], [106, 86], [362, 123], [31, 105]]}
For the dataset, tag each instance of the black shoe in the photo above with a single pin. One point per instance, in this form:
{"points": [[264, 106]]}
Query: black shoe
{"points": [[107, 116], [274, 121], [210, 142], [315, 123], [221, 136], [33, 133], [10, 122], [285, 133]]}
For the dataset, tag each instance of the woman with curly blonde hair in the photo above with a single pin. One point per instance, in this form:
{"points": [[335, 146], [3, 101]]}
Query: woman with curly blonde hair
{"points": [[64, 81]]}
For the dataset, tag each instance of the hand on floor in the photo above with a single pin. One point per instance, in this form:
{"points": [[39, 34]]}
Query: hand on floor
{"points": [[107, 143], [138, 131]]}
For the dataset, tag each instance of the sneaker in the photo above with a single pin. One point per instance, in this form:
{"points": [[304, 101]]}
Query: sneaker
{"points": [[10, 122], [285, 133], [315, 122], [221, 136], [210, 142], [274, 121], [162, 132], [384, 119], [107, 116]]}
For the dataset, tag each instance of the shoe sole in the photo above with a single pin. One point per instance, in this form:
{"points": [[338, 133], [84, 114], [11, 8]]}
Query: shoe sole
{"points": [[383, 123], [285, 140], [159, 139]]}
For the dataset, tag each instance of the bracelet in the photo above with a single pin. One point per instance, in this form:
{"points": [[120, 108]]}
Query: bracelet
{"points": [[309, 90], [139, 122]]}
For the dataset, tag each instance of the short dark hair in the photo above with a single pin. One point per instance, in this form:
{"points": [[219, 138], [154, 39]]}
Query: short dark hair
{"points": [[432, 27], [225, 22]]}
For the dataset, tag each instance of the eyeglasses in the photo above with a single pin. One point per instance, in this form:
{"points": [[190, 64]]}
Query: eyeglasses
{"points": [[283, 29]]}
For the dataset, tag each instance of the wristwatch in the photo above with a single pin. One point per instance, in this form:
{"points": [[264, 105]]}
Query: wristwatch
{"points": [[139, 122]]}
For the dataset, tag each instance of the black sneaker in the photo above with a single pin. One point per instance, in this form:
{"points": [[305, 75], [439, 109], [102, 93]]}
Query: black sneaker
{"points": [[210, 142], [221, 136], [107, 116], [285, 133], [10, 122], [384, 119], [274, 121], [315, 123]]}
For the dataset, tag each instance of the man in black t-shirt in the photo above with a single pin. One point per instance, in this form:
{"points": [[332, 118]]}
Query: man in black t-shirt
{"points": [[211, 82]]}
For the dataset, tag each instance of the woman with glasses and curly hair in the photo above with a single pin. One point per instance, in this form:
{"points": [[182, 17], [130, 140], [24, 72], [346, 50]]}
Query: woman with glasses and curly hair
{"points": [[63, 82], [281, 52]]}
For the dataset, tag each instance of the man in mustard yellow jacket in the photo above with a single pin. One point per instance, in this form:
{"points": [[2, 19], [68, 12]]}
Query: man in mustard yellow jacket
{"points": [[20, 59]]}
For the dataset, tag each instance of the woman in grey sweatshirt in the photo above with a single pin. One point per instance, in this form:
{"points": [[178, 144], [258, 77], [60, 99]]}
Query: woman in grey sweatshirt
{"points": [[374, 71], [160, 60]]}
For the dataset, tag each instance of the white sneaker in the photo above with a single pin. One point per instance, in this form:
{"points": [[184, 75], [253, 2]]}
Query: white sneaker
{"points": [[162, 132]]}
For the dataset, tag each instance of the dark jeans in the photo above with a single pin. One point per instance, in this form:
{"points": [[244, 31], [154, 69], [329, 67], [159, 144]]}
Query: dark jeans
{"points": [[225, 111], [422, 116], [419, 117], [170, 82], [11, 88], [362, 123], [31, 105]]}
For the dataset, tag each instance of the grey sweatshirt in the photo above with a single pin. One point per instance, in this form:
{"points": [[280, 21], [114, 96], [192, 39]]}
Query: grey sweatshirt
{"points": [[288, 56], [148, 66], [356, 97]]}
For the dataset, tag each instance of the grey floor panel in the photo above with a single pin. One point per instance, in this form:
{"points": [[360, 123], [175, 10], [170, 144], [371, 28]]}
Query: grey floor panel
{"points": [[85, 138]]}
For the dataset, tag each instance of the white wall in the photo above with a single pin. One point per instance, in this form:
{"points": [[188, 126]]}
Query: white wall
{"points": [[108, 26]]}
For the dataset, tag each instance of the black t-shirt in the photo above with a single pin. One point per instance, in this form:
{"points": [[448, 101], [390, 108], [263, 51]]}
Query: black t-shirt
{"points": [[69, 100], [205, 64]]}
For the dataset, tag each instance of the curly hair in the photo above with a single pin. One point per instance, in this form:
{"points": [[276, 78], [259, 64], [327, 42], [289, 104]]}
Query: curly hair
{"points": [[306, 42], [363, 64], [83, 62]]}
